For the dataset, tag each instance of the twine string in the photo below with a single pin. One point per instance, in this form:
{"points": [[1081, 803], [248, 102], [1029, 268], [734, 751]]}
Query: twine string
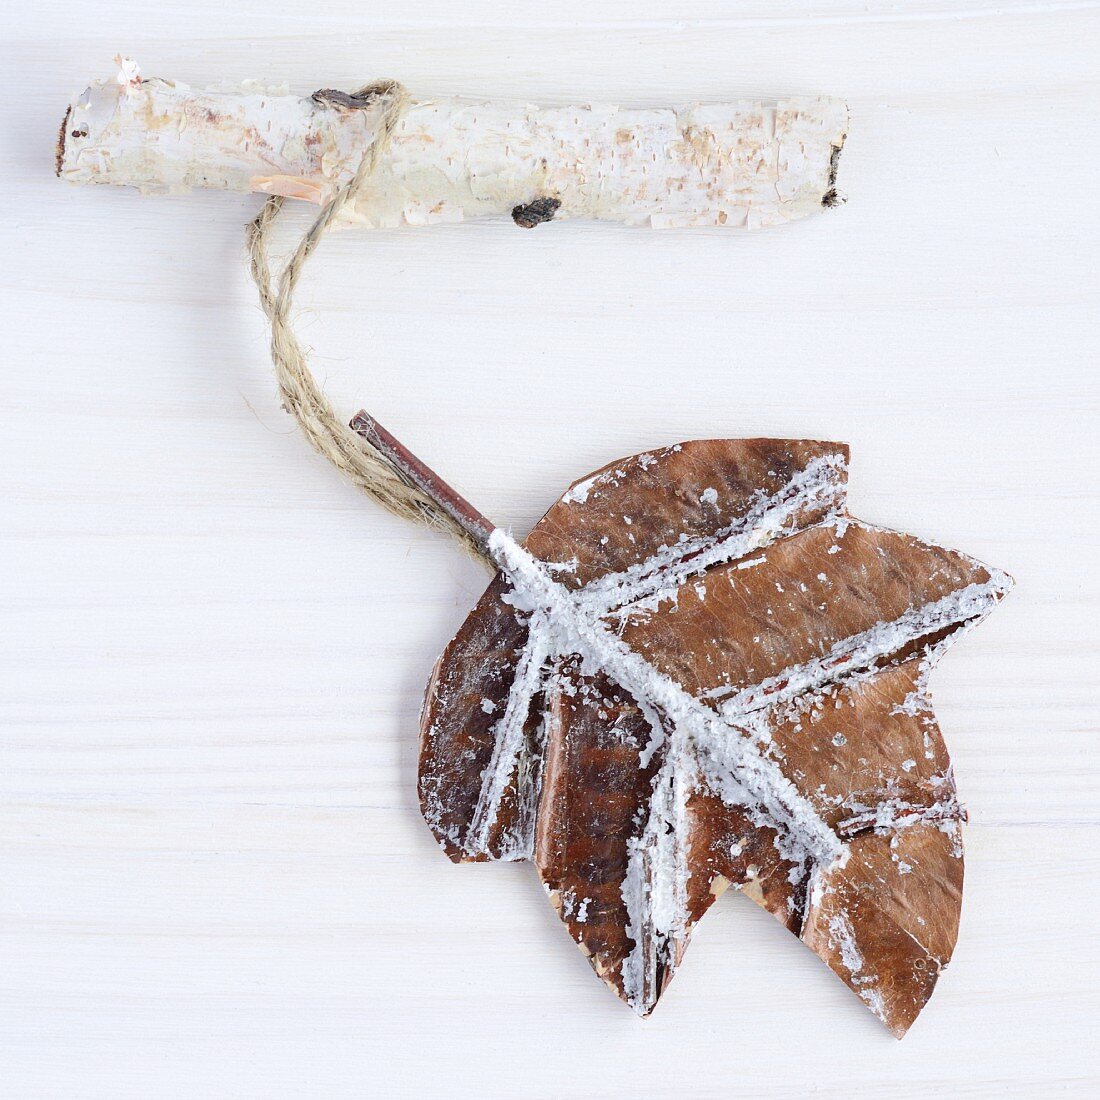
{"points": [[302, 397]]}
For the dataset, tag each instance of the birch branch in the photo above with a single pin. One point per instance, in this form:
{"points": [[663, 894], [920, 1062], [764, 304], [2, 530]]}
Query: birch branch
{"points": [[743, 164]]}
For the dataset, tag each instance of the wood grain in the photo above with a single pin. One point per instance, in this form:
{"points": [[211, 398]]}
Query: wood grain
{"points": [[213, 877]]}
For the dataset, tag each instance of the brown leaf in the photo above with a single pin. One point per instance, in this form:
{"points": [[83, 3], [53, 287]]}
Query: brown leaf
{"points": [[722, 680]]}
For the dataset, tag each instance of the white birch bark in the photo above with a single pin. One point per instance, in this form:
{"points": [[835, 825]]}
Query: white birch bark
{"points": [[743, 164]]}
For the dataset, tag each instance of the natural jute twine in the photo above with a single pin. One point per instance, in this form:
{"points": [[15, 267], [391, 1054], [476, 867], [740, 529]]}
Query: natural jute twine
{"points": [[301, 395]]}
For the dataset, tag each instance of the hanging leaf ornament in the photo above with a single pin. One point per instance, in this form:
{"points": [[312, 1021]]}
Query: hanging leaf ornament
{"points": [[698, 670]]}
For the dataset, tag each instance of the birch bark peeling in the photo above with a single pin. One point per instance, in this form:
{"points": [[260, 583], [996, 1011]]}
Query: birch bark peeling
{"points": [[743, 165]]}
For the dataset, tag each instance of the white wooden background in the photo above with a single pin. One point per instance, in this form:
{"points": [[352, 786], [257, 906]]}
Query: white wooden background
{"points": [[214, 881]]}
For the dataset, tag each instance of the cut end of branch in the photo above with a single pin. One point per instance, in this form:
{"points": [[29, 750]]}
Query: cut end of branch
{"points": [[832, 196], [59, 151]]}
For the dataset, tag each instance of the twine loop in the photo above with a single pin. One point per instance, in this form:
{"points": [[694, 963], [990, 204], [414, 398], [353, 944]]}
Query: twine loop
{"points": [[330, 436]]}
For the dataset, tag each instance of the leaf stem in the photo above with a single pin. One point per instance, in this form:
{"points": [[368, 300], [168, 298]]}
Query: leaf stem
{"points": [[476, 526]]}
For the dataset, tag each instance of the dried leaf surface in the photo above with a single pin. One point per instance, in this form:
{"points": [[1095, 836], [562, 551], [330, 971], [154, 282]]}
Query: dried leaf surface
{"points": [[788, 747]]}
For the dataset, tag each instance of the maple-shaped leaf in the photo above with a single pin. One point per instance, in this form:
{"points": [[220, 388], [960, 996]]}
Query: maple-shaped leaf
{"points": [[700, 671]]}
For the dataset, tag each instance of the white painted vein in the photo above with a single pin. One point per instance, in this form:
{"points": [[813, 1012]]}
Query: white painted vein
{"points": [[820, 485], [572, 628], [654, 889], [865, 649], [508, 733]]}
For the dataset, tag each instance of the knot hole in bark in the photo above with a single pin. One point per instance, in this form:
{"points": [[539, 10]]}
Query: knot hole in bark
{"points": [[528, 215]]}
